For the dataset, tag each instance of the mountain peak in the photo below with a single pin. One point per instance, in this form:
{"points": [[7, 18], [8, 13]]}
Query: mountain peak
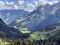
{"points": [[1, 20]]}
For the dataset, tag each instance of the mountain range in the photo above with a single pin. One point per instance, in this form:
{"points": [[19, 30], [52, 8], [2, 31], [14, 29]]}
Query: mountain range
{"points": [[41, 17], [43, 22], [9, 16]]}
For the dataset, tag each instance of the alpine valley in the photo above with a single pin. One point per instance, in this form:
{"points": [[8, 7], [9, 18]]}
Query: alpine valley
{"points": [[42, 24]]}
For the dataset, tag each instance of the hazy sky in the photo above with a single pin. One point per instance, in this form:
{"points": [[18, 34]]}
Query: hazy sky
{"points": [[28, 5]]}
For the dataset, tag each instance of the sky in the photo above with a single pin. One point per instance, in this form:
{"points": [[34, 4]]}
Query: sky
{"points": [[27, 5]]}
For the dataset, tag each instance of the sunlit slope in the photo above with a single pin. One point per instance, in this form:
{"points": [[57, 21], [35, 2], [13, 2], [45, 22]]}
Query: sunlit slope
{"points": [[44, 35]]}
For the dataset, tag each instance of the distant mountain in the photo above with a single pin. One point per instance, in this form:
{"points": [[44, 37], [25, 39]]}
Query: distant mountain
{"points": [[10, 15], [9, 32], [40, 18]]}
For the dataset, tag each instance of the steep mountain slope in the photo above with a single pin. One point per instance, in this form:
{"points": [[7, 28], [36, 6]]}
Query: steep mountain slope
{"points": [[10, 15], [51, 32], [55, 38], [9, 32], [40, 18]]}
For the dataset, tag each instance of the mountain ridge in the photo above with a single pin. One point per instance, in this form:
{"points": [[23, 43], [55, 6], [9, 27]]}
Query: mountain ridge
{"points": [[10, 32], [42, 17]]}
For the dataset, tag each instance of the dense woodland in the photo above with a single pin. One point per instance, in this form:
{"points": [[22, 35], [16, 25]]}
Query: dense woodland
{"points": [[28, 42]]}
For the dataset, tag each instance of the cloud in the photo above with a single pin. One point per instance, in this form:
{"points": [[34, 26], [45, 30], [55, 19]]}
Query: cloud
{"points": [[21, 2], [26, 5], [2, 3], [29, 7], [9, 3], [53, 2], [16, 7], [12, 3], [42, 2], [36, 3]]}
